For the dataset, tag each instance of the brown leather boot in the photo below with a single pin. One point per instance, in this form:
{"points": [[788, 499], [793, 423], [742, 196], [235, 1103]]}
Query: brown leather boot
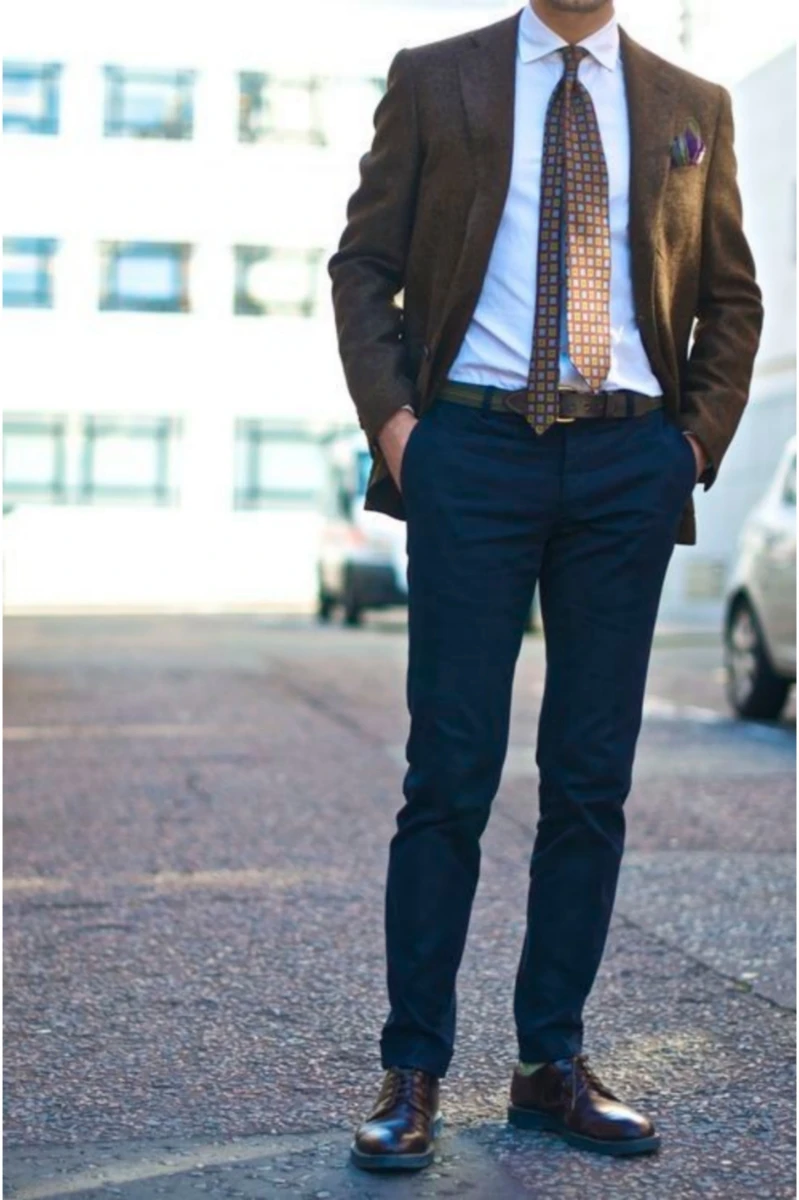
{"points": [[567, 1098], [398, 1134]]}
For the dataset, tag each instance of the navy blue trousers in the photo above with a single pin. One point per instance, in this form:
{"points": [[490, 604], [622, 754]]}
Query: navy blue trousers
{"points": [[588, 510]]}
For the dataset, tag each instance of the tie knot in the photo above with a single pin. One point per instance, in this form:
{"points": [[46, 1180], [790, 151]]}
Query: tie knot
{"points": [[572, 57]]}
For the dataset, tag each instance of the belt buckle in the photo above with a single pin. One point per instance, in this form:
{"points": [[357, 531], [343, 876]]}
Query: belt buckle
{"points": [[565, 420]]}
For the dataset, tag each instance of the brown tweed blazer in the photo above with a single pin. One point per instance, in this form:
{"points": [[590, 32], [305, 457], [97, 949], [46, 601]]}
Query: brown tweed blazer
{"points": [[424, 217]]}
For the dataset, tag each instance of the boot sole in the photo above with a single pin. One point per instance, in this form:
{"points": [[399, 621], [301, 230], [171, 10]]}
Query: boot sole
{"points": [[525, 1118], [396, 1162]]}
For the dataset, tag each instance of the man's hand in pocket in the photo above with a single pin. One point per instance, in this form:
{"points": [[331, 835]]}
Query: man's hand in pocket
{"points": [[699, 453], [393, 437]]}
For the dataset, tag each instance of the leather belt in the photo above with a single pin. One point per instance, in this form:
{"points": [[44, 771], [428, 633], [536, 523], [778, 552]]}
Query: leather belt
{"points": [[571, 404]]}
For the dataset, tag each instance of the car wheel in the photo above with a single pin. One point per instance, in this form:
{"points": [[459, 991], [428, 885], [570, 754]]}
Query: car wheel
{"points": [[754, 689], [324, 606], [353, 613], [325, 603]]}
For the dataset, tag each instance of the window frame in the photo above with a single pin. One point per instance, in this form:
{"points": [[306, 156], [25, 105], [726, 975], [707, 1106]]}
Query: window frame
{"points": [[254, 84], [312, 136], [48, 75], [246, 256], [249, 494], [116, 125], [165, 431], [44, 249], [111, 253], [56, 428]]}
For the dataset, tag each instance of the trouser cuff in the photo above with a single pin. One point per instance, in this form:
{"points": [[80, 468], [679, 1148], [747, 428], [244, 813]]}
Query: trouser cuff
{"points": [[407, 1053], [543, 1051]]}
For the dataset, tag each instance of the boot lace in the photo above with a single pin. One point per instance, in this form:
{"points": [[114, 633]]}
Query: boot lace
{"points": [[583, 1076], [407, 1085]]}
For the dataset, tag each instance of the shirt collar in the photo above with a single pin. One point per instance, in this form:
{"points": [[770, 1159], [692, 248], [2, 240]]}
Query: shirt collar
{"points": [[537, 40]]}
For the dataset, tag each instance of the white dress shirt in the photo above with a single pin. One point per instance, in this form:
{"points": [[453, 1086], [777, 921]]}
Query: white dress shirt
{"points": [[498, 343]]}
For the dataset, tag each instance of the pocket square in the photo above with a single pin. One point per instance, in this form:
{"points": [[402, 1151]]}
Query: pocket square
{"points": [[688, 149]]}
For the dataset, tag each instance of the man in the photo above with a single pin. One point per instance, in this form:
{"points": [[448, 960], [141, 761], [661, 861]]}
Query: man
{"points": [[574, 351]]}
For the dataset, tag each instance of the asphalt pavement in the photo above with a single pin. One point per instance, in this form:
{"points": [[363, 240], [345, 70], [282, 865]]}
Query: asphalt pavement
{"points": [[197, 815]]}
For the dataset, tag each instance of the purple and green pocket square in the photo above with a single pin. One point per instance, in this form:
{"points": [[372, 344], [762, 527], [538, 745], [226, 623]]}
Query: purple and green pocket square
{"points": [[688, 149]]}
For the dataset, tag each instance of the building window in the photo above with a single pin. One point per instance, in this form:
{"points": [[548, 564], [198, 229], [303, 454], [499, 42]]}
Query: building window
{"points": [[31, 97], [34, 459], [28, 272], [130, 460], [276, 282], [275, 465], [316, 111], [149, 104], [279, 109], [144, 276]]}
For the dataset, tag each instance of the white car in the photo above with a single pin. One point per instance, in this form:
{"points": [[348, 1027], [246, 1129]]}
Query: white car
{"points": [[760, 613], [363, 560]]}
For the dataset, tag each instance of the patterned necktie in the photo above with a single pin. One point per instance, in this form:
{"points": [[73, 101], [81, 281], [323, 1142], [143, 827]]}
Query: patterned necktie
{"points": [[574, 185]]}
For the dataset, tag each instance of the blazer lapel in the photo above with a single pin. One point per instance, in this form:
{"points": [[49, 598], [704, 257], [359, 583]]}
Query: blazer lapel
{"points": [[650, 105], [487, 74], [487, 70]]}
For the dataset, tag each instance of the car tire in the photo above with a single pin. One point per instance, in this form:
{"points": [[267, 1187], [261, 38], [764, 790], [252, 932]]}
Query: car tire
{"points": [[353, 613], [324, 607], [325, 603], [754, 689]]}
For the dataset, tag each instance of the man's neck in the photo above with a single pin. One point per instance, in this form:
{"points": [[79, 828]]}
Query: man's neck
{"points": [[572, 26]]}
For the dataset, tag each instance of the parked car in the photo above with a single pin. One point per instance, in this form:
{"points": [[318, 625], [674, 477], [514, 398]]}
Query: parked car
{"points": [[760, 611], [362, 556]]}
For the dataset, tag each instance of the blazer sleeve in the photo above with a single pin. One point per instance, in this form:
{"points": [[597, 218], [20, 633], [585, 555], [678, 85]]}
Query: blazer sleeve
{"points": [[729, 315], [368, 269]]}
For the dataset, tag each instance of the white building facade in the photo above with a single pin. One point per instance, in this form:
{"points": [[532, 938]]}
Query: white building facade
{"points": [[178, 182], [176, 185]]}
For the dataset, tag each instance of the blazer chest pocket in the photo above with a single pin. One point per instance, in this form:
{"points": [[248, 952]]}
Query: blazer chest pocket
{"points": [[685, 192], [681, 213]]}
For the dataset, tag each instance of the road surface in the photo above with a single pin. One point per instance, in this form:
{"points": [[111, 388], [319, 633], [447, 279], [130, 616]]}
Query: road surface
{"points": [[197, 817]]}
